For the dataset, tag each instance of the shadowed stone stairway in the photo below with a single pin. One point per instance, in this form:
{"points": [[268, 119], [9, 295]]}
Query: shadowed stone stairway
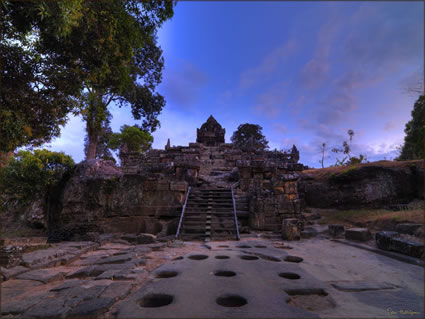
{"points": [[209, 215]]}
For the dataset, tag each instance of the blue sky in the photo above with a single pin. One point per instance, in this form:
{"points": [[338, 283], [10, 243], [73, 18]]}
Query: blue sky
{"points": [[305, 71]]}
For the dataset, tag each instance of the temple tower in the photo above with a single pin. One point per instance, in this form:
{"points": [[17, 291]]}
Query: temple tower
{"points": [[211, 133]]}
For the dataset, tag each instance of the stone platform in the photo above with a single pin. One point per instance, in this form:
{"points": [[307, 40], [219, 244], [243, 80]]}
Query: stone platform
{"points": [[253, 278]]}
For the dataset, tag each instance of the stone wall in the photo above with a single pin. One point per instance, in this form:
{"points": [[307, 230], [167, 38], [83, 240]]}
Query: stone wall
{"points": [[377, 184], [268, 179], [273, 190], [100, 198]]}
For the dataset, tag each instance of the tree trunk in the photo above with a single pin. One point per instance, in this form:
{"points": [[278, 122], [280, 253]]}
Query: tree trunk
{"points": [[91, 148], [5, 158]]}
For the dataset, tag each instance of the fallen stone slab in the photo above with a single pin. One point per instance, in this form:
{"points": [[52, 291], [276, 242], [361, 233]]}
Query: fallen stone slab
{"points": [[68, 259], [407, 228], [358, 234], [50, 257], [175, 244], [336, 230], [391, 241], [9, 273], [89, 271], [96, 270], [49, 307], [109, 274], [91, 308], [86, 293], [142, 250], [17, 307], [139, 239], [117, 259], [117, 290], [156, 247], [308, 232], [68, 284], [16, 287], [116, 246], [43, 275], [362, 286]]}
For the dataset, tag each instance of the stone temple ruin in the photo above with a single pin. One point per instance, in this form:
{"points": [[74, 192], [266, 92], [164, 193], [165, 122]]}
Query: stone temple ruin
{"points": [[218, 185]]}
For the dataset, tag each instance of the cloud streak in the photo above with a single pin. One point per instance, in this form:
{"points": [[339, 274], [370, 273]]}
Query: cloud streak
{"points": [[268, 65]]}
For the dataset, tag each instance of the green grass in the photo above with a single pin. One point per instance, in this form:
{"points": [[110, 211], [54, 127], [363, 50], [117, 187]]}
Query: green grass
{"points": [[414, 214]]}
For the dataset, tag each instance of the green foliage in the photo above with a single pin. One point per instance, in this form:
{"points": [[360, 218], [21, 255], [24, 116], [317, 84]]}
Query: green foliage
{"points": [[413, 147], [135, 139], [29, 175], [249, 136], [37, 92], [103, 50]]}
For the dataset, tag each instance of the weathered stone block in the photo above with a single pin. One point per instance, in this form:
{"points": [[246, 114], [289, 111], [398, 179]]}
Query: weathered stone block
{"points": [[290, 197], [278, 189], [359, 234], [335, 230], [297, 206], [178, 186], [407, 228], [308, 232], [291, 229], [388, 240], [156, 185], [290, 187], [245, 172]]}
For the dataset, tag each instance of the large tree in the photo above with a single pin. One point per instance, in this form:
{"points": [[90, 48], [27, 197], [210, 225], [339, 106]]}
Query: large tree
{"points": [[115, 53], [37, 93], [249, 136], [110, 49], [413, 147]]}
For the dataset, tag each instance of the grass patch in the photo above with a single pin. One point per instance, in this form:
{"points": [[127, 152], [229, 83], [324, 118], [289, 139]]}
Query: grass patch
{"points": [[29, 249], [21, 231], [371, 216]]}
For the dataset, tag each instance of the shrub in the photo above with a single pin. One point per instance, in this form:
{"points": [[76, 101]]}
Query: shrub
{"points": [[30, 175]]}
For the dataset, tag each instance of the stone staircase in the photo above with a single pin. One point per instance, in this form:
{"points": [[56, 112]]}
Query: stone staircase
{"points": [[209, 215]]}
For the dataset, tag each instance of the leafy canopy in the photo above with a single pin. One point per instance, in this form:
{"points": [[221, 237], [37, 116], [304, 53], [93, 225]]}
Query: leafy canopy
{"points": [[133, 137], [37, 91], [249, 136], [413, 147], [100, 51], [29, 175]]}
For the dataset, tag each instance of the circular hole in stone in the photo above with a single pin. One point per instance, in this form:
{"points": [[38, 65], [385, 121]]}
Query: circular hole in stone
{"points": [[178, 258], [198, 257], [225, 273], [156, 300], [247, 257], [231, 301], [260, 246], [243, 246], [222, 257], [223, 246], [289, 275], [166, 274], [293, 259]]}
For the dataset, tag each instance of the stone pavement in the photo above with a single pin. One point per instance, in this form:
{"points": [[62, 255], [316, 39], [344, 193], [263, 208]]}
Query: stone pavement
{"points": [[253, 278]]}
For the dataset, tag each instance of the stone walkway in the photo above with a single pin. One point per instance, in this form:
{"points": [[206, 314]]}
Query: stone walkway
{"points": [[253, 278]]}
